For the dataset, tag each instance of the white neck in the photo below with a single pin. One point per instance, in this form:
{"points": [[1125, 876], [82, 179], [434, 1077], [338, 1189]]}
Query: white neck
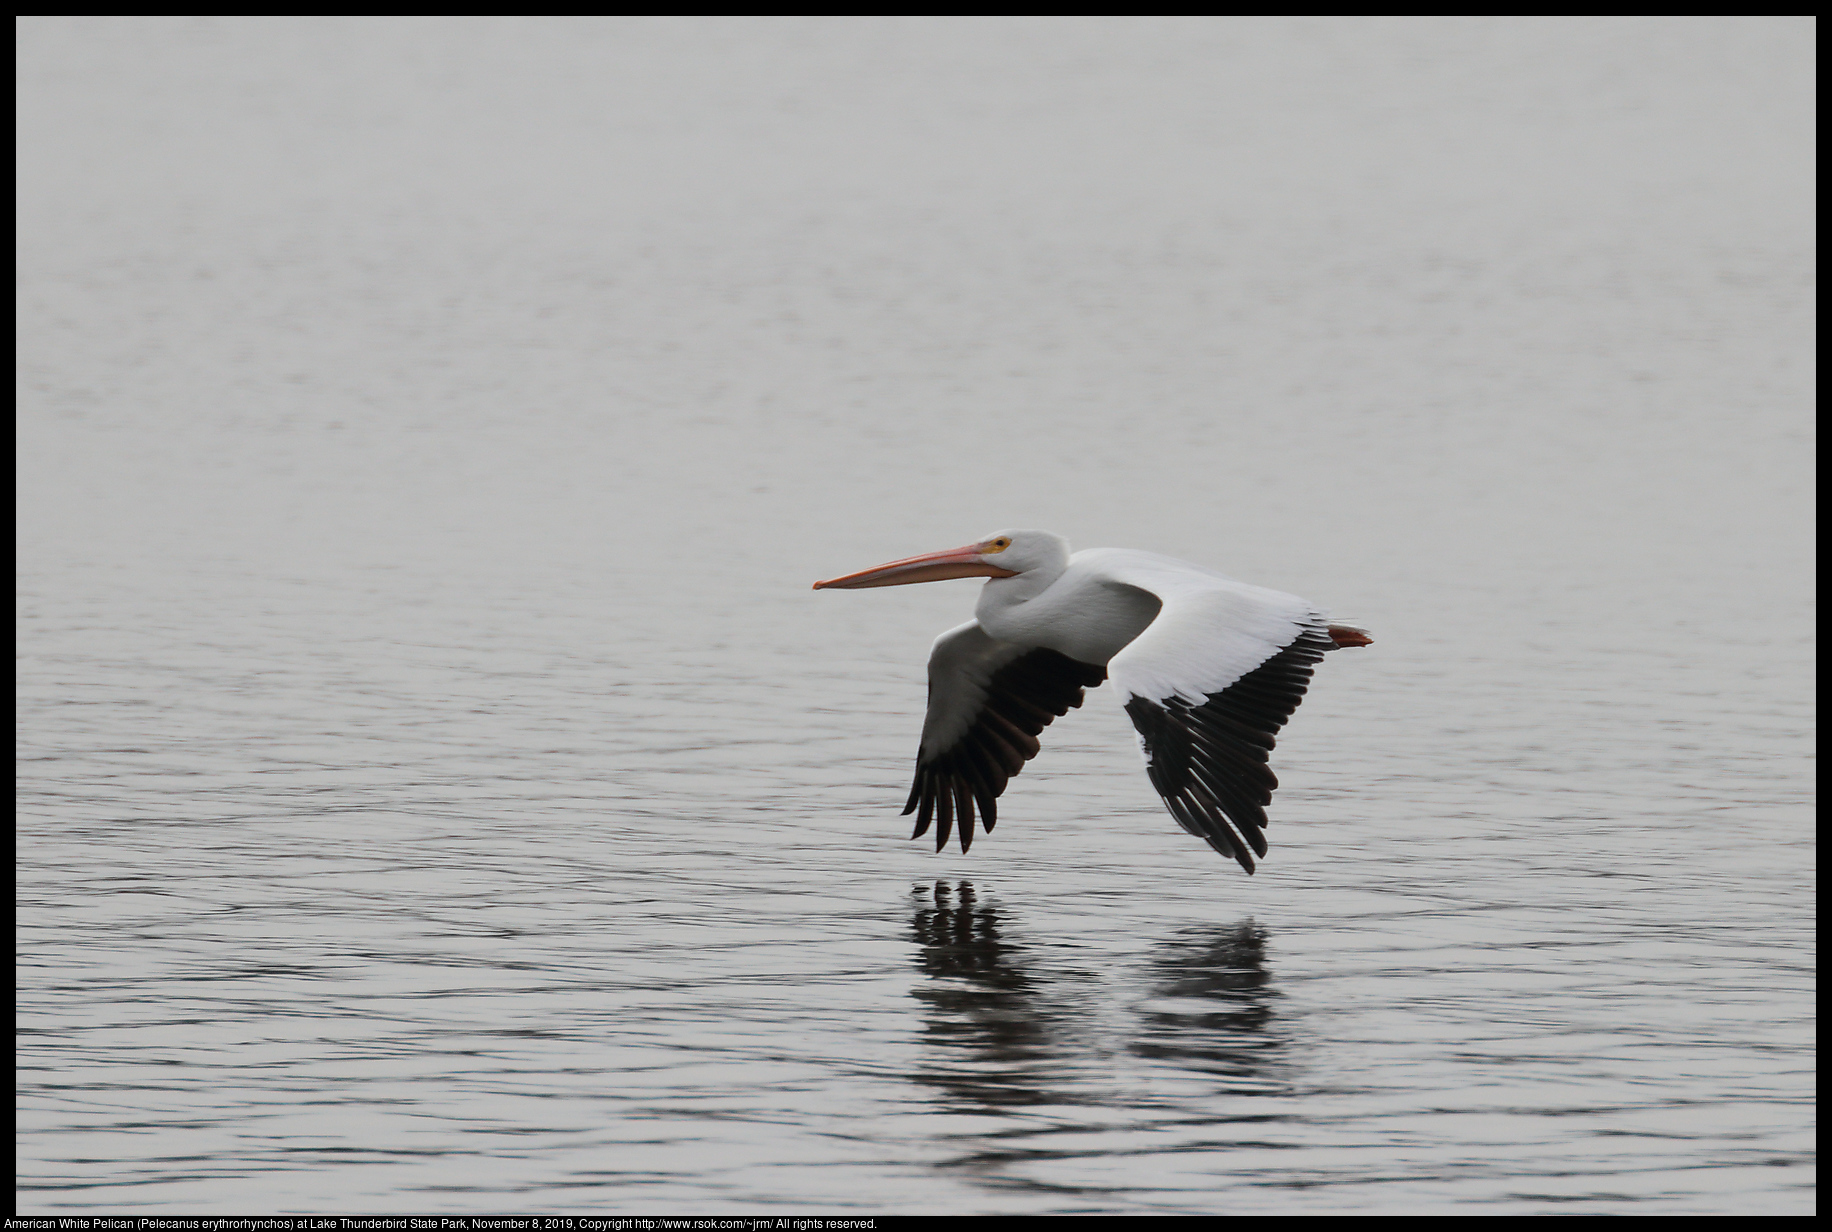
{"points": [[1001, 595]]}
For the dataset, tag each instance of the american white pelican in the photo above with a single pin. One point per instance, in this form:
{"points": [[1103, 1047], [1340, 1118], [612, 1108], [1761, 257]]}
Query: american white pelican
{"points": [[1210, 669]]}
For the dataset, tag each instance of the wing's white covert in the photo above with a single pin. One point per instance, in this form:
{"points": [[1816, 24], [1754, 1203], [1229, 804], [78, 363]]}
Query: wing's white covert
{"points": [[960, 669], [1211, 631]]}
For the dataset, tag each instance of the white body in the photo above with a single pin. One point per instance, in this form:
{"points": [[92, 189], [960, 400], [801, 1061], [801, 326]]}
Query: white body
{"points": [[1163, 628], [1208, 669]]}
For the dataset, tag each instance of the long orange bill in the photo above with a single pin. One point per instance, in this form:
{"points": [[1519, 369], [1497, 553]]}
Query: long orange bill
{"points": [[933, 567]]}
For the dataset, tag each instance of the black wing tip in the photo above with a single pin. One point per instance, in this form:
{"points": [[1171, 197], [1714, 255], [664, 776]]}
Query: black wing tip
{"points": [[967, 778], [1238, 853], [1208, 761]]}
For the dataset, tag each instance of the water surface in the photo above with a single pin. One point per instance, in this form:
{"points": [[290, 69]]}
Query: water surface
{"points": [[440, 790]]}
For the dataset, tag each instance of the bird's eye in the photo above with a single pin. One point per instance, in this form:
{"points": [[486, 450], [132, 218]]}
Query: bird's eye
{"points": [[998, 545]]}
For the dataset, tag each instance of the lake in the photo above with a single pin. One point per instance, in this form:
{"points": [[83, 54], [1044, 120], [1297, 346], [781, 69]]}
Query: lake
{"points": [[441, 791]]}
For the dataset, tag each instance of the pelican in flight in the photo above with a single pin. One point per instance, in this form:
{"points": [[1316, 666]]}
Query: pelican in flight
{"points": [[1209, 668]]}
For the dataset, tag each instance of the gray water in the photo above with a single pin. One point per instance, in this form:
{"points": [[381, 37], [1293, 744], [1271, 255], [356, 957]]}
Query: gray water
{"points": [[441, 791]]}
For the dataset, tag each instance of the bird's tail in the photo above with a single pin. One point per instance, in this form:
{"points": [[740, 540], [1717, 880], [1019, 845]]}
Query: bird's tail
{"points": [[1348, 635]]}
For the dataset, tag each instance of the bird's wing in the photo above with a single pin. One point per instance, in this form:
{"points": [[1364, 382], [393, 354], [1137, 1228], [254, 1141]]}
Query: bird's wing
{"points": [[988, 700], [1208, 684]]}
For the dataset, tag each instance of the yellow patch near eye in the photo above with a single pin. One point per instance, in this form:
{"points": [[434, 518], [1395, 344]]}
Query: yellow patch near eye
{"points": [[997, 545]]}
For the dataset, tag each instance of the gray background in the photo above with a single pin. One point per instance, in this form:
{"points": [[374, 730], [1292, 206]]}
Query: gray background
{"points": [[441, 791]]}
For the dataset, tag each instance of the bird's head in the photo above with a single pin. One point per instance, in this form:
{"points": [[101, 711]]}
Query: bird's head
{"points": [[1003, 554]]}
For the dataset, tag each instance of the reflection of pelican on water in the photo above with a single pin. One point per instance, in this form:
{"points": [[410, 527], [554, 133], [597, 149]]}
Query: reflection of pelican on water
{"points": [[1209, 1005], [1009, 1026], [983, 1007]]}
